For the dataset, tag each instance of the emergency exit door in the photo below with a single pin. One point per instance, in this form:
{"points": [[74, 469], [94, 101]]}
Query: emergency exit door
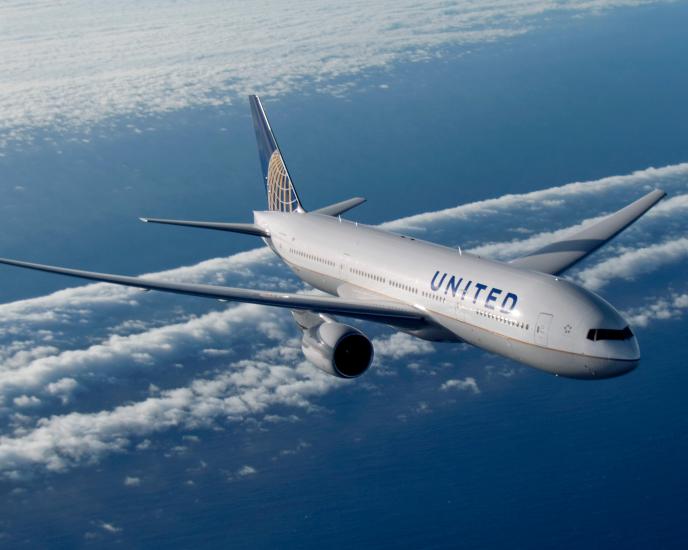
{"points": [[542, 328]]}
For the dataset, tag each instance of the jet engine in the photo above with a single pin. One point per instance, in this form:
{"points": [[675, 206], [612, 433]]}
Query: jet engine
{"points": [[337, 349]]}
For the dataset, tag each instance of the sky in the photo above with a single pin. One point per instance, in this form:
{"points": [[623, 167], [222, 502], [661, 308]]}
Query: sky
{"points": [[136, 419]]}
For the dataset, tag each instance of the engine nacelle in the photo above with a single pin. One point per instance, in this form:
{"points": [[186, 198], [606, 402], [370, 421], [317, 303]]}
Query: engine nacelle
{"points": [[337, 349]]}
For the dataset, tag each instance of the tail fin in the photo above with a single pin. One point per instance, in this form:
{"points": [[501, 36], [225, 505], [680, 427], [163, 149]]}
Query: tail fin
{"points": [[278, 184]]}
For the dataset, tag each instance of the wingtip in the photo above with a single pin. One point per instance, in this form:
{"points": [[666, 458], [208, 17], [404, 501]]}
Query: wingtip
{"points": [[144, 220]]}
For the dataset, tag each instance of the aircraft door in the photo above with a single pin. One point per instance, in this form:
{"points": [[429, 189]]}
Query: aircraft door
{"points": [[542, 328]]}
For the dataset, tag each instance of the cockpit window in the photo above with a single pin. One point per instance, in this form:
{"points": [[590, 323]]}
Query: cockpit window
{"points": [[595, 334]]}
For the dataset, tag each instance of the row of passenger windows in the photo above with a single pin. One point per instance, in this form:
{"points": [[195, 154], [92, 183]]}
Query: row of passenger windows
{"points": [[367, 275], [312, 257], [407, 288], [434, 296], [511, 322], [383, 280], [430, 295]]}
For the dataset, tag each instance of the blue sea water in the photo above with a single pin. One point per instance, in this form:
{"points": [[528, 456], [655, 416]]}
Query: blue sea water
{"points": [[535, 462]]}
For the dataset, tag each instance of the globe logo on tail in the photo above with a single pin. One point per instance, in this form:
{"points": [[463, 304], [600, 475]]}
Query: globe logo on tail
{"points": [[281, 194]]}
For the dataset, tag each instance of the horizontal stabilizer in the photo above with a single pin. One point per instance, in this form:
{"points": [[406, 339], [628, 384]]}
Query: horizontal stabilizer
{"points": [[340, 207], [246, 228], [559, 256]]}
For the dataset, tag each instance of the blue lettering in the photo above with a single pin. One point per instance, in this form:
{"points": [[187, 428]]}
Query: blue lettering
{"points": [[480, 288], [453, 284], [492, 297], [437, 286], [468, 285], [513, 299]]}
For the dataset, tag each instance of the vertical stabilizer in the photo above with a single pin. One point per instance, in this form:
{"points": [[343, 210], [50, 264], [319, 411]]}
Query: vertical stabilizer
{"points": [[278, 184]]}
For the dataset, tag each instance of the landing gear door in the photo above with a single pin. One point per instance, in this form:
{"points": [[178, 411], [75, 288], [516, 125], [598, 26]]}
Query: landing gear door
{"points": [[542, 328]]}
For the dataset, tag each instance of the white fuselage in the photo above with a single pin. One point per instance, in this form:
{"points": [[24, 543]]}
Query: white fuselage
{"points": [[537, 319]]}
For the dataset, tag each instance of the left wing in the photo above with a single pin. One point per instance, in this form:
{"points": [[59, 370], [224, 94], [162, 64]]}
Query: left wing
{"points": [[393, 313], [557, 257], [245, 228]]}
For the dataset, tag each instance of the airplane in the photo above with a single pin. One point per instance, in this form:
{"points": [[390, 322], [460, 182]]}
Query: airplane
{"points": [[522, 309]]}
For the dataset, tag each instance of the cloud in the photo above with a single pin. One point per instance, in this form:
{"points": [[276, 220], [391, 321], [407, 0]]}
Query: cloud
{"points": [[109, 527], [467, 384], [633, 263], [650, 177], [243, 472], [669, 206], [117, 351], [83, 66], [246, 471], [299, 447], [26, 401], [131, 481], [661, 308], [400, 345], [63, 388], [248, 388]]}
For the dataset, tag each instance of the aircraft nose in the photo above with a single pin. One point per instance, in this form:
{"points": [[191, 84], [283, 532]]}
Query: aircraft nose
{"points": [[621, 358], [612, 368]]}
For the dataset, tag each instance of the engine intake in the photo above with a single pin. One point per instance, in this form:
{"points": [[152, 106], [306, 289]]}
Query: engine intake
{"points": [[337, 349]]}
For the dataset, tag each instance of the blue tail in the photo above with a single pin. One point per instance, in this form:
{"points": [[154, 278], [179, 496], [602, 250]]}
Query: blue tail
{"points": [[278, 184]]}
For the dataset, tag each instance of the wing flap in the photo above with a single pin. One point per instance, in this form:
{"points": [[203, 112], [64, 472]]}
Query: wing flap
{"points": [[557, 257], [399, 315]]}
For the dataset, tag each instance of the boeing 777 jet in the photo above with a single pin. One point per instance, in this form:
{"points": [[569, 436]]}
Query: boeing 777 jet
{"points": [[522, 309]]}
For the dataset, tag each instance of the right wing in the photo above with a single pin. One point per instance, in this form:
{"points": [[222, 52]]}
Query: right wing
{"points": [[393, 313], [559, 256]]}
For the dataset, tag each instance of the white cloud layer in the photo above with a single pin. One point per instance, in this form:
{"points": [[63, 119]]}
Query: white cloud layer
{"points": [[247, 388], [634, 263], [637, 181], [72, 64], [400, 345], [660, 308]]}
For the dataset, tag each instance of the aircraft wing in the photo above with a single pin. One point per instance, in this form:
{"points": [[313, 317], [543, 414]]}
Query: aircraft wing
{"points": [[557, 257], [388, 312], [246, 228]]}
